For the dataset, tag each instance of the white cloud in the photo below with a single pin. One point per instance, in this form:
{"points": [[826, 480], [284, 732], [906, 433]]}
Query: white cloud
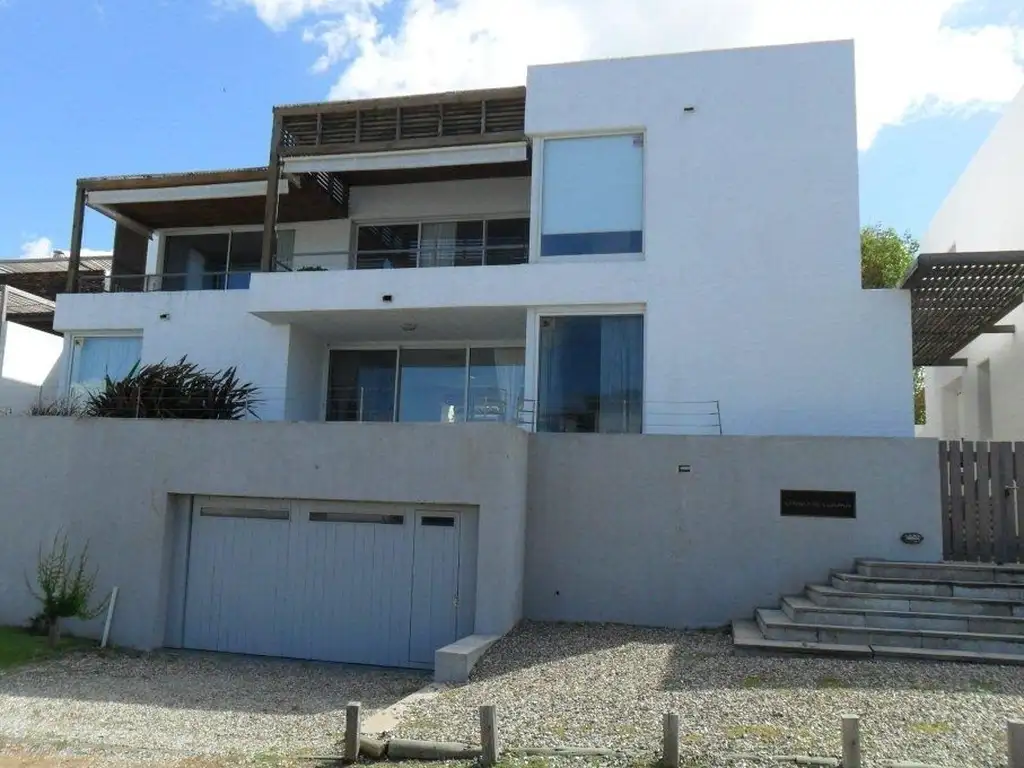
{"points": [[910, 61], [42, 248]]}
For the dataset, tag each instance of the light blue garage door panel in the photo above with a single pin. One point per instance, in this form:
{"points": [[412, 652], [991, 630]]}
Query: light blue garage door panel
{"points": [[360, 583], [234, 559], [435, 584]]}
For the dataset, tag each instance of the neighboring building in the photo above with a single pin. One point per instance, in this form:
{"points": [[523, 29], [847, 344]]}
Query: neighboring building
{"points": [[29, 357], [976, 391], [45, 278], [663, 245]]}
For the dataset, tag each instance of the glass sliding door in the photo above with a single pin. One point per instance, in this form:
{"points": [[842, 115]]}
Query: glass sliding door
{"points": [[432, 385], [246, 252], [361, 385], [590, 376], [195, 262], [443, 385], [496, 381]]}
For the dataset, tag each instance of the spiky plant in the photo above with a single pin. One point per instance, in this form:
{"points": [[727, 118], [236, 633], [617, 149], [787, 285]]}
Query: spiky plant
{"points": [[178, 390]]}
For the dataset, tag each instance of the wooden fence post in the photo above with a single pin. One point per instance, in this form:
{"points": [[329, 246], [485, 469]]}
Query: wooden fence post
{"points": [[488, 735], [851, 741], [1015, 743], [670, 741], [352, 731]]}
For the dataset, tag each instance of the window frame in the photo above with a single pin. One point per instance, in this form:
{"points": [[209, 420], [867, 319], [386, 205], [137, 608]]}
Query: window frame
{"points": [[74, 338], [534, 315], [467, 346], [419, 221], [537, 197], [229, 230]]}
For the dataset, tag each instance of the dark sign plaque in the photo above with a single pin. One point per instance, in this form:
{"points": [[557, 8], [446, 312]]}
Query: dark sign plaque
{"points": [[818, 503]]}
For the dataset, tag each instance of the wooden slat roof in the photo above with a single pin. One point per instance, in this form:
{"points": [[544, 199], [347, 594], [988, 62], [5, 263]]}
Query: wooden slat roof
{"points": [[955, 297]]}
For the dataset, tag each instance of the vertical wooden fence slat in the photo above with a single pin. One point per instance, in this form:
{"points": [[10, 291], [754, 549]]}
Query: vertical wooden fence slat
{"points": [[956, 496], [948, 513], [982, 539], [965, 509], [1016, 498], [995, 469], [1001, 501]]}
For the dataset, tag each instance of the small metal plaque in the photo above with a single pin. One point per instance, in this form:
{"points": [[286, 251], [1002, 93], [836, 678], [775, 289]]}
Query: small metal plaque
{"points": [[912, 538], [841, 504]]}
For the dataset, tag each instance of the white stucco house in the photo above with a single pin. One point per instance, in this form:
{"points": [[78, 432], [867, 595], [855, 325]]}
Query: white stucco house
{"points": [[663, 244], [609, 331], [978, 392]]}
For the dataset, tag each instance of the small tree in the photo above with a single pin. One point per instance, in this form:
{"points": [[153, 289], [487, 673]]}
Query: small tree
{"points": [[178, 390], [885, 257], [65, 586]]}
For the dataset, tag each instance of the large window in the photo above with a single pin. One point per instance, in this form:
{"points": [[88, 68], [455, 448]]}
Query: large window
{"points": [[216, 260], [591, 374], [94, 358], [442, 385], [442, 244], [592, 196]]}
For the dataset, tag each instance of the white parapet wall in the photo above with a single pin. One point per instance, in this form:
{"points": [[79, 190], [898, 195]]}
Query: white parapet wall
{"points": [[645, 529], [687, 532]]}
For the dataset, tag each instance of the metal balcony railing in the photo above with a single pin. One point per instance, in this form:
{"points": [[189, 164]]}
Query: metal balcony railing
{"points": [[457, 253], [192, 281]]}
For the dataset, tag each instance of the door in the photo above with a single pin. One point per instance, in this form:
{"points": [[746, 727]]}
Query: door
{"points": [[329, 581], [435, 584]]}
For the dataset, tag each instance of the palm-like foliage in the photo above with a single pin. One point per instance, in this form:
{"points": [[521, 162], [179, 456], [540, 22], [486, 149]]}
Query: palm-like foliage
{"points": [[178, 390]]}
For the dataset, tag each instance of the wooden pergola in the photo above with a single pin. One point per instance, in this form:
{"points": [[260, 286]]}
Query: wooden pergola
{"points": [[957, 297], [320, 131]]}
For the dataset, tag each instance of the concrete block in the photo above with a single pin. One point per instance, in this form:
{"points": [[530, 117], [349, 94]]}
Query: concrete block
{"points": [[454, 662]]}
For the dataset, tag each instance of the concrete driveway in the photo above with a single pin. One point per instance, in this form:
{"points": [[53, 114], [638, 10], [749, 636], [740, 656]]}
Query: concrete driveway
{"points": [[187, 709]]}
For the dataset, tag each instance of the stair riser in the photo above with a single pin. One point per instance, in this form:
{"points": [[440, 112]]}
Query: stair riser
{"points": [[854, 636], [987, 591], [882, 603], [938, 573], [942, 573], [965, 624]]}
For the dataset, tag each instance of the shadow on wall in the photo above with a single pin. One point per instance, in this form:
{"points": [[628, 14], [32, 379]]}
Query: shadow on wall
{"points": [[213, 681], [706, 661]]}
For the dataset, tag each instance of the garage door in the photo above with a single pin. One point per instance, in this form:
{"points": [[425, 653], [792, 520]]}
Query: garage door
{"points": [[360, 583]]}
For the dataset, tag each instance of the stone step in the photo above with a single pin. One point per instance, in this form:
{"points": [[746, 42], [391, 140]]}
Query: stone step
{"points": [[776, 625], [747, 638], [802, 610], [958, 572], [855, 582], [830, 596]]}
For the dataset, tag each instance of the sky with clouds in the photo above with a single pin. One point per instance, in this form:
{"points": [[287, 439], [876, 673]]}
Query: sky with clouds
{"points": [[104, 87]]}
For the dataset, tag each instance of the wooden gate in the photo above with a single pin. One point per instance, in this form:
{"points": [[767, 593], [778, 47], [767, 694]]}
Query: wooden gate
{"points": [[982, 512]]}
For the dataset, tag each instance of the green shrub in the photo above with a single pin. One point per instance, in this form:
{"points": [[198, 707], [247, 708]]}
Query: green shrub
{"points": [[174, 391], [65, 587]]}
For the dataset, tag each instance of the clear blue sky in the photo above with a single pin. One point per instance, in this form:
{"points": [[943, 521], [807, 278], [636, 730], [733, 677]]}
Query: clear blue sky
{"points": [[106, 87]]}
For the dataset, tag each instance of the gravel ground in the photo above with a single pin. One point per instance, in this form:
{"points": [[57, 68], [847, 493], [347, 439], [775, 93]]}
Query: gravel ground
{"points": [[608, 686], [183, 708]]}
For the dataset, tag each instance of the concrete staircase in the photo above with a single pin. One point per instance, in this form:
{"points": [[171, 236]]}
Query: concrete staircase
{"points": [[942, 611]]}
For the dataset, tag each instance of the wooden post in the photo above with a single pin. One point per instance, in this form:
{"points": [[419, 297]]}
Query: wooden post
{"points": [[489, 735], [77, 224], [851, 741], [1015, 743], [352, 731], [270, 210], [670, 741]]}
